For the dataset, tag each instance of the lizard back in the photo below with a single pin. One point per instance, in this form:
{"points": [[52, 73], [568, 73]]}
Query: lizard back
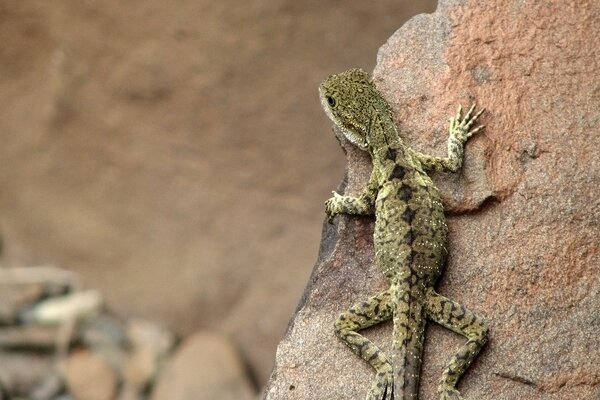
{"points": [[409, 218]]}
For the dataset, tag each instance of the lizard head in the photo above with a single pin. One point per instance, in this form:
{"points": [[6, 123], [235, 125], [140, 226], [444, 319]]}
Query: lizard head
{"points": [[350, 99]]}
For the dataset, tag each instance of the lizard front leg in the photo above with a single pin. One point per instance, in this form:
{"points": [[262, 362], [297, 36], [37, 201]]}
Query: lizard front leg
{"points": [[362, 205], [460, 131], [457, 318], [339, 204], [362, 315]]}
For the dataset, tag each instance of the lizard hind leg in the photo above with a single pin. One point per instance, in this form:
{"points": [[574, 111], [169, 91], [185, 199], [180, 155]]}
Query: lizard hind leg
{"points": [[457, 318], [362, 315]]}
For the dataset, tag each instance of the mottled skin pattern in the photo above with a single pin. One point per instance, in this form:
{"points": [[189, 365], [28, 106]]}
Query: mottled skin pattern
{"points": [[410, 240]]}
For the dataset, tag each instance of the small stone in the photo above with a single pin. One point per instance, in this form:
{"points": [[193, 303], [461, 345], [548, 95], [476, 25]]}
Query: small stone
{"points": [[205, 367], [64, 397], [129, 392], [29, 337], [143, 333], [103, 331], [150, 343], [21, 373], [15, 298], [21, 287], [68, 308], [89, 377], [106, 337], [54, 280], [48, 388]]}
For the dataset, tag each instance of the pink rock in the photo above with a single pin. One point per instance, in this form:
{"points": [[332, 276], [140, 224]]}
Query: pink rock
{"points": [[524, 214]]}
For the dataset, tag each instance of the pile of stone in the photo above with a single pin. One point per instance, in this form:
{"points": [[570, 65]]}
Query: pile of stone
{"points": [[58, 342]]}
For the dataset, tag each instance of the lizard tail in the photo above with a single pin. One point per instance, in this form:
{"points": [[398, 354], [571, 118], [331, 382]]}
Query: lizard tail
{"points": [[409, 327]]}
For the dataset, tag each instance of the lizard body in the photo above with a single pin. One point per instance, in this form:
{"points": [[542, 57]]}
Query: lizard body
{"points": [[410, 240]]}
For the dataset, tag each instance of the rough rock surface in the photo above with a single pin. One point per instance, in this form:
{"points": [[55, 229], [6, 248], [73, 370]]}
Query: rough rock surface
{"points": [[174, 152], [523, 215], [205, 367]]}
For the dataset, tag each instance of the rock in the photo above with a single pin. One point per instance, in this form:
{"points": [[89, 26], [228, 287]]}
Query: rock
{"points": [[29, 337], [65, 309], [524, 248], [149, 344], [104, 331], [129, 392], [105, 336], [20, 287], [144, 333], [15, 299], [21, 373], [48, 388], [89, 377], [55, 280], [205, 367]]}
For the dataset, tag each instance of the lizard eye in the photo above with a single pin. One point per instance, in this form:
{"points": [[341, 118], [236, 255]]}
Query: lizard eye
{"points": [[331, 101]]}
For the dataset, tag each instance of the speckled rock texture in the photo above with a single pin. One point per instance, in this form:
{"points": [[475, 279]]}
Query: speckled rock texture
{"points": [[523, 214]]}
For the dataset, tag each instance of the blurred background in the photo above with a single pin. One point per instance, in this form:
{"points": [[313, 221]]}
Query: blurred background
{"points": [[174, 154]]}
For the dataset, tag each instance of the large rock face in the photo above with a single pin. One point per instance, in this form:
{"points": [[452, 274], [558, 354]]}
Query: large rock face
{"points": [[523, 214]]}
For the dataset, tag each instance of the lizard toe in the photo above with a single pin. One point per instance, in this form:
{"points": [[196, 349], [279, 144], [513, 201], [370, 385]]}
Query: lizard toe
{"points": [[383, 387]]}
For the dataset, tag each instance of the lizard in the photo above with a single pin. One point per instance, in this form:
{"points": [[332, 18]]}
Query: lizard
{"points": [[410, 240]]}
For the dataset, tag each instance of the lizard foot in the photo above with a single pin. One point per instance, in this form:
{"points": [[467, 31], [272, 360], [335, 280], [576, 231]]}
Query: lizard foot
{"points": [[460, 126], [332, 206], [383, 387], [448, 392]]}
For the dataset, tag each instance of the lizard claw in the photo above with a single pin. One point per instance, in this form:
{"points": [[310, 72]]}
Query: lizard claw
{"points": [[460, 126], [383, 387], [330, 207]]}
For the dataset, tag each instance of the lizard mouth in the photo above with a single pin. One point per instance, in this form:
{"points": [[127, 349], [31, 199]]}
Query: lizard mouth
{"points": [[354, 138], [353, 131]]}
